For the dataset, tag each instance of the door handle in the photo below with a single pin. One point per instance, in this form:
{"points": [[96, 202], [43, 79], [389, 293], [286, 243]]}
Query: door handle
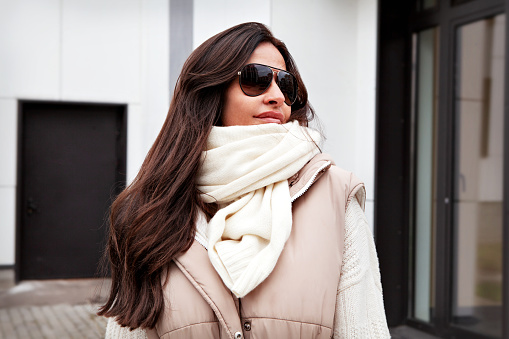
{"points": [[31, 207]]}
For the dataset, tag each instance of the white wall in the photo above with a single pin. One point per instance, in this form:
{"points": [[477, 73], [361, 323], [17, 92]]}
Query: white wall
{"points": [[113, 51], [322, 37], [211, 17], [365, 131], [117, 51], [334, 45]]}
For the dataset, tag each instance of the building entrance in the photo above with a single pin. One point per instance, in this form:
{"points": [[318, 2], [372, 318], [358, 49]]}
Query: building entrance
{"points": [[71, 166]]}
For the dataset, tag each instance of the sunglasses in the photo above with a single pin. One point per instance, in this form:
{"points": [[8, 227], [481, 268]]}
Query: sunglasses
{"points": [[255, 79]]}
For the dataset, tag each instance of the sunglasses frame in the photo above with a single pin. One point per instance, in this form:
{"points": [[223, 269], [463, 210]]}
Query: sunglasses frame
{"points": [[274, 70]]}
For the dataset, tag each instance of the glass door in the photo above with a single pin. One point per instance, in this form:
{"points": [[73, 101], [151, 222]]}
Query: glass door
{"points": [[441, 209], [478, 176]]}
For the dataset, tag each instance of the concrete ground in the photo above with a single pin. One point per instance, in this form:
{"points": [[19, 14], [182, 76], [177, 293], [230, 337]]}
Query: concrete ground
{"points": [[51, 308]]}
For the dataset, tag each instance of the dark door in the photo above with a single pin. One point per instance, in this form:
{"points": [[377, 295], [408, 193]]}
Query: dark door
{"points": [[72, 160]]}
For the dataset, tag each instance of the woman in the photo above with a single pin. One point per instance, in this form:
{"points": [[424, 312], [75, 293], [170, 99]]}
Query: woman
{"points": [[236, 226]]}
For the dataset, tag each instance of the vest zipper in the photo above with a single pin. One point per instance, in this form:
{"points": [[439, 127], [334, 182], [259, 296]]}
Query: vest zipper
{"points": [[240, 309], [311, 181], [240, 316]]}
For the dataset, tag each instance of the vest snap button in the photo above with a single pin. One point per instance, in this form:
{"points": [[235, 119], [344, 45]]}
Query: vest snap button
{"points": [[247, 326], [238, 335]]}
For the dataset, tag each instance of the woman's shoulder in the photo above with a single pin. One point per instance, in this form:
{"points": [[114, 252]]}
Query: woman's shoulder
{"points": [[323, 164], [322, 168]]}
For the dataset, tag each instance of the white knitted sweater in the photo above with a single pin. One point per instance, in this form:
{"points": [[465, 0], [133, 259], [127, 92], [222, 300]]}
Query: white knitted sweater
{"points": [[359, 303]]}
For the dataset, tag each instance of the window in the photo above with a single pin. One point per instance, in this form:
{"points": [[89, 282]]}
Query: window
{"points": [[423, 5], [441, 204], [478, 176], [423, 159]]}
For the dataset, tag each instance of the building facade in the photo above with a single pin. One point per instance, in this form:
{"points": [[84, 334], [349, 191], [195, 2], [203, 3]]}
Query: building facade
{"points": [[411, 97], [118, 61]]}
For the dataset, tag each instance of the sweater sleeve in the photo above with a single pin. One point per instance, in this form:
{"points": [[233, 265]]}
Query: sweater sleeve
{"points": [[359, 303], [115, 331]]}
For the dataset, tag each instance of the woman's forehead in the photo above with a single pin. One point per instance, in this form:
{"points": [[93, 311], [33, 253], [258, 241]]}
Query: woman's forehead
{"points": [[267, 54]]}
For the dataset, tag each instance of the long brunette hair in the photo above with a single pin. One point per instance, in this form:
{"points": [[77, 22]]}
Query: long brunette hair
{"points": [[153, 220]]}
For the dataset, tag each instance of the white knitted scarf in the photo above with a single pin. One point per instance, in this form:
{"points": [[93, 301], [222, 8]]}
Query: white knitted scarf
{"points": [[245, 170]]}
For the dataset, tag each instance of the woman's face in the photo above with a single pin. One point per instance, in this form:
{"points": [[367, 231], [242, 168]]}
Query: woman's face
{"points": [[268, 107]]}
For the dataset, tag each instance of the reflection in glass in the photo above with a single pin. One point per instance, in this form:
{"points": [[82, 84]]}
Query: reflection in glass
{"points": [[423, 5], [478, 176], [459, 2], [424, 119]]}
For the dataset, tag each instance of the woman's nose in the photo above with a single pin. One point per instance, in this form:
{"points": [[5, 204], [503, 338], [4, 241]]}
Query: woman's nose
{"points": [[273, 95]]}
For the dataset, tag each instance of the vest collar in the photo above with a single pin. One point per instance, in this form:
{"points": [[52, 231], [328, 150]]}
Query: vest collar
{"points": [[309, 174]]}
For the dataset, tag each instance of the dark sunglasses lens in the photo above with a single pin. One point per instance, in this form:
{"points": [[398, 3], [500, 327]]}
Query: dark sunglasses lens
{"points": [[288, 85], [255, 79]]}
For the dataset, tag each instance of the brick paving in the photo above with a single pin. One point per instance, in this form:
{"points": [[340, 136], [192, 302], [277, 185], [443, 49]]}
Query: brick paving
{"points": [[54, 309], [51, 321]]}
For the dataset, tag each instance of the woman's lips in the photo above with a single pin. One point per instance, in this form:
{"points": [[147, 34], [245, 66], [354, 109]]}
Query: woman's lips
{"points": [[271, 117]]}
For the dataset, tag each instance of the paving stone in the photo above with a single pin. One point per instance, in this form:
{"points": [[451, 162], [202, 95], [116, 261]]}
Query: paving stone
{"points": [[52, 322], [29, 323], [43, 322], [51, 309], [81, 323], [17, 322], [98, 323], [67, 320], [88, 317], [6, 328]]}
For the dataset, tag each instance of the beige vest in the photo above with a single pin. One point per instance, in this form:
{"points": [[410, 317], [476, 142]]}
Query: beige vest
{"points": [[298, 298]]}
